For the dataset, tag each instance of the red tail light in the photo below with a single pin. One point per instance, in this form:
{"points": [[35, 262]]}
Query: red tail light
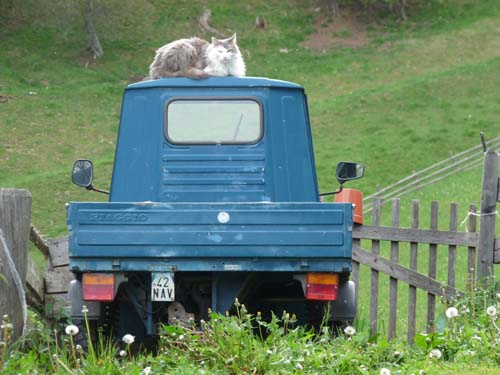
{"points": [[322, 286], [98, 286]]}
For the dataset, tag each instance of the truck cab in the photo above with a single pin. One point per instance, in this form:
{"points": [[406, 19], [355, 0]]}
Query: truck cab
{"points": [[214, 196]]}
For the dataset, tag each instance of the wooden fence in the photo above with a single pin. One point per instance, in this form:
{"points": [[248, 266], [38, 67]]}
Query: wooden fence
{"points": [[480, 250]]}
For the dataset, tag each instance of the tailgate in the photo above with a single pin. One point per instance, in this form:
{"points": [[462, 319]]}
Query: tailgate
{"points": [[210, 236]]}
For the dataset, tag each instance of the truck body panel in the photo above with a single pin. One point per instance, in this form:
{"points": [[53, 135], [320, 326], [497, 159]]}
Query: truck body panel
{"points": [[190, 236]]}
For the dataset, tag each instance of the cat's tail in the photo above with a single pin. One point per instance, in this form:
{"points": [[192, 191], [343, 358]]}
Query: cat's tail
{"points": [[193, 73]]}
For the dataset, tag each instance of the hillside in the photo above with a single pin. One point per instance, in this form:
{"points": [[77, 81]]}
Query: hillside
{"points": [[405, 96]]}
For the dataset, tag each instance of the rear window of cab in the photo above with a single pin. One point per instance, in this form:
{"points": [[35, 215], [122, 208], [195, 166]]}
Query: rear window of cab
{"points": [[213, 121]]}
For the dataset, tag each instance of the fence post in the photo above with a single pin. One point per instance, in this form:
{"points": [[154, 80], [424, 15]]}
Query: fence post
{"points": [[489, 196], [15, 217]]}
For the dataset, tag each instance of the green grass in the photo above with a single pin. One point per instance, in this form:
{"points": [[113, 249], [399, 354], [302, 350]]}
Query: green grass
{"points": [[246, 344]]}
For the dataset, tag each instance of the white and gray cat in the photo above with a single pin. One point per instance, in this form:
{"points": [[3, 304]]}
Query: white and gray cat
{"points": [[196, 58]]}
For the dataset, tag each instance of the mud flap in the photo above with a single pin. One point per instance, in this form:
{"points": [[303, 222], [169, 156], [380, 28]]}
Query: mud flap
{"points": [[344, 307], [75, 298]]}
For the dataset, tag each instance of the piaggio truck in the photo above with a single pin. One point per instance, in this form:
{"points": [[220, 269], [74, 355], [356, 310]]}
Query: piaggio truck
{"points": [[213, 197]]}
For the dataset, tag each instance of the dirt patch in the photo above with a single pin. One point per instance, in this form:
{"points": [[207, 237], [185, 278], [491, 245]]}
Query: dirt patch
{"points": [[344, 30]]}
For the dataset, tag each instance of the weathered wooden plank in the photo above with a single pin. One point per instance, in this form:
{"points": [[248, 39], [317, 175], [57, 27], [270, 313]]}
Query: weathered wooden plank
{"points": [[471, 250], [355, 272], [374, 273], [431, 299], [34, 283], [488, 217], [39, 241], [412, 292], [12, 295], [496, 254], [371, 232], [15, 217], [57, 306], [393, 282], [402, 273], [452, 249], [57, 279], [58, 249]]}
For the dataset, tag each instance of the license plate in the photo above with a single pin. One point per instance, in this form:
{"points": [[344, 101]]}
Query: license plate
{"points": [[162, 286]]}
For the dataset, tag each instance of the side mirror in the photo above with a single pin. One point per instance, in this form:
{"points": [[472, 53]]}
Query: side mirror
{"points": [[347, 171], [83, 173]]}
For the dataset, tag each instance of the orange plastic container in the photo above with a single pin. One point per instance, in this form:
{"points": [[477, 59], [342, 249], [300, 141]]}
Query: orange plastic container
{"points": [[355, 197]]}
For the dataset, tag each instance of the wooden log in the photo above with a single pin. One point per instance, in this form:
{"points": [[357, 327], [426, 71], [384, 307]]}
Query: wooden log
{"points": [[488, 218], [374, 273], [368, 232], [393, 282], [412, 292], [471, 250], [57, 279], [34, 284], [431, 299], [15, 217], [39, 241], [58, 250]]}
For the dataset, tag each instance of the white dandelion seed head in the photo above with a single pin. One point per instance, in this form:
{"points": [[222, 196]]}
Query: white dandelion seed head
{"points": [[269, 351], [181, 337], [85, 309], [498, 296], [350, 331], [122, 353], [491, 311], [128, 339], [451, 312], [146, 370], [78, 347], [299, 367], [435, 353], [71, 330], [385, 371]]}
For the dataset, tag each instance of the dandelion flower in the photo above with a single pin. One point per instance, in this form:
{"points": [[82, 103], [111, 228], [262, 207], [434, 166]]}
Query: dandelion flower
{"points": [[71, 330], [128, 339], [350, 331], [491, 311], [122, 353], [435, 353], [451, 312], [385, 371]]}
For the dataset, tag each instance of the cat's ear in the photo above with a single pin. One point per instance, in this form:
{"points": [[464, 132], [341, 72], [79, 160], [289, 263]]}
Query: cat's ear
{"points": [[214, 40], [233, 38]]}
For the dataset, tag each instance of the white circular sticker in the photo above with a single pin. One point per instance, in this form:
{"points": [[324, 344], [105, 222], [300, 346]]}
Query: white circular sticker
{"points": [[223, 217]]}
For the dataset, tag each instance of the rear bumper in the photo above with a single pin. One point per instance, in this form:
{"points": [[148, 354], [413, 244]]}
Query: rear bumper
{"points": [[210, 265]]}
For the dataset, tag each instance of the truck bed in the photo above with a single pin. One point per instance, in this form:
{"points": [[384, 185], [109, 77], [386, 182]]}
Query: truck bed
{"points": [[152, 236]]}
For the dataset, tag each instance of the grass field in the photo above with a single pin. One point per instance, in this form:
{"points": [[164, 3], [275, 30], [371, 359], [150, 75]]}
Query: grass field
{"points": [[413, 94]]}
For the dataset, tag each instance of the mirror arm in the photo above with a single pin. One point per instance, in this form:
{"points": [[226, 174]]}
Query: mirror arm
{"points": [[92, 188], [333, 192]]}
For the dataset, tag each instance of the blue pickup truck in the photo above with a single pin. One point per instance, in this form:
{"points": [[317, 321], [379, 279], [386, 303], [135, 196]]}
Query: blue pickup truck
{"points": [[214, 197]]}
